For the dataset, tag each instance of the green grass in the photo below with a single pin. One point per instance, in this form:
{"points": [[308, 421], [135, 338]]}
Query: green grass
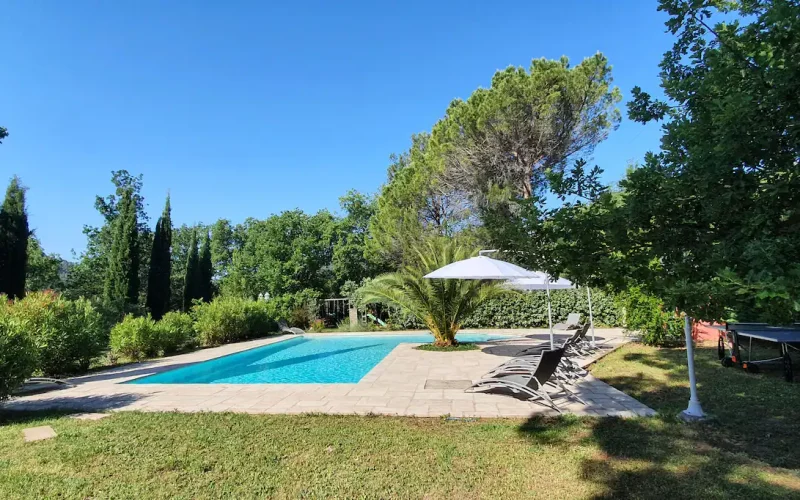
{"points": [[461, 346], [169, 455]]}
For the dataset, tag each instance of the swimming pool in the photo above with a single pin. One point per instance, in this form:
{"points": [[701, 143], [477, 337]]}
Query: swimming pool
{"points": [[333, 359]]}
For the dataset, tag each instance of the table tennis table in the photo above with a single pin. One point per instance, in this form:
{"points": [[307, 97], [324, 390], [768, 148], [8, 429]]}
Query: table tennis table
{"points": [[787, 338]]}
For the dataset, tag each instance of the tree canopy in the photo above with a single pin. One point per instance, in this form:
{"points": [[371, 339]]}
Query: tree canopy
{"points": [[14, 233], [158, 281]]}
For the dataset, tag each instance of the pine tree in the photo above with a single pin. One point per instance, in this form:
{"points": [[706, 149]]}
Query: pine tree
{"points": [[190, 282], [205, 271], [158, 282], [14, 235], [122, 278]]}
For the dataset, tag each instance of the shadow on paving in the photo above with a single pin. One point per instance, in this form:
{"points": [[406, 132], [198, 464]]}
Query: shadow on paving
{"points": [[74, 403]]}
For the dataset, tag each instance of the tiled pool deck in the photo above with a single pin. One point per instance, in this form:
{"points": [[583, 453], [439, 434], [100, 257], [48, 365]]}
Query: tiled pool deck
{"points": [[407, 382]]}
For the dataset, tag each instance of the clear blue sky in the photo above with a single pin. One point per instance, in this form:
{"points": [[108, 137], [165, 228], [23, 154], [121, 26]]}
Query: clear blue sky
{"points": [[251, 108]]}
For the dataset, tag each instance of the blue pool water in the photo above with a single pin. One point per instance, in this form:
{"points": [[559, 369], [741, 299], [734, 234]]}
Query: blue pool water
{"points": [[302, 360]]}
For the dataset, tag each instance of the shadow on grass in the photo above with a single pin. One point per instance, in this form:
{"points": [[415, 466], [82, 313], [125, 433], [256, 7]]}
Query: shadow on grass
{"points": [[753, 415], [654, 458]]}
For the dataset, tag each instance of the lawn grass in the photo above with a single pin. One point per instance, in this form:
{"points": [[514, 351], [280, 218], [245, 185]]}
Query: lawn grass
{"points": [[170, 455]]}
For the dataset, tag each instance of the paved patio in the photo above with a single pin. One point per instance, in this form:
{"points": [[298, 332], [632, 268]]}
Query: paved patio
{"points": [[406, 382]]}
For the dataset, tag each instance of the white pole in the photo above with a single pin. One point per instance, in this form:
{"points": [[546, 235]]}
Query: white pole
{"points": [[694, 411], [549, 311], [591, 319]]}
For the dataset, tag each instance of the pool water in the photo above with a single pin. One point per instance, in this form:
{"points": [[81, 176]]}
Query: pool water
{"points": [[301, 360]]}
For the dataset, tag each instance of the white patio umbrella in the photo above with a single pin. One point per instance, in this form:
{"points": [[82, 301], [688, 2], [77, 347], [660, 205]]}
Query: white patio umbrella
{"points": [[544, 282], [481, 268]]}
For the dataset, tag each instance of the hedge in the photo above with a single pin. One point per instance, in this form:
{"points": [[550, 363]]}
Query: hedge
{"points": [[515, 309], [229, 319]]}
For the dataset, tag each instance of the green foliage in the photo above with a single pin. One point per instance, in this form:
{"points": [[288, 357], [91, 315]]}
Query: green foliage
{"points": [[297, 308], [515, 309], [67, 334], [14, 235], [82, 279], [223, 239], [175, 332], [17, 353], [646, 314], [350, 261], [528, 124], [317, 326], [205, 270], [191, 277], [465, 346], [415, 205], [122, 276], [230, 319], [712, 221], [442, 305], [283, 254], [158, 282], [44, 270], [135, 337], [345, 326]]}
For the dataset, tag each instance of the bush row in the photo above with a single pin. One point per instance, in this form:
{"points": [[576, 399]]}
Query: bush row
{"points": [[221, 321], [515, 309], [48, 334]]}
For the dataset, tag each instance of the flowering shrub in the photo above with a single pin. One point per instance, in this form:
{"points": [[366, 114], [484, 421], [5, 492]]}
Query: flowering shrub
{"points": [[67, 334]]}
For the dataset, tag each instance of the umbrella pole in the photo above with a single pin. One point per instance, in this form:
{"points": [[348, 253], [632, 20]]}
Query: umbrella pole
{"points": [[591, 320], [549, 312]]}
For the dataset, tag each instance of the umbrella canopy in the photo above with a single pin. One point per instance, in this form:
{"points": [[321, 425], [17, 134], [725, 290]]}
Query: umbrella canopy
{"points": [[481, 268], [539, 283]]}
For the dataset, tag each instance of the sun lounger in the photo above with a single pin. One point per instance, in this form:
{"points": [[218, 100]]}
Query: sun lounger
{"points": [[286, 329], [530, 381], [573, 321]]}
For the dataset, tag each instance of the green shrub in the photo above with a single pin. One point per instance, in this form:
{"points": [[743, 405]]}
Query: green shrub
{"points": [[230, 319], [515, 309], [136, 338], [317, 326], [260, 318], [646, 314], [346, 326], [67, 334], [17, 353], [298, 308], [175, 331]]}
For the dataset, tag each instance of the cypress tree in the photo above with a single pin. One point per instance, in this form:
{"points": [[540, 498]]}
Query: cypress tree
{"points": [[122, 278], [190, 282], [14, 235], [205, 271], [158, 281]]}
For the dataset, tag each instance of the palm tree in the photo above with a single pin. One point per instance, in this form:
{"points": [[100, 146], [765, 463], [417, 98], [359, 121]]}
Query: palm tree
{"points": [[442, 305]]}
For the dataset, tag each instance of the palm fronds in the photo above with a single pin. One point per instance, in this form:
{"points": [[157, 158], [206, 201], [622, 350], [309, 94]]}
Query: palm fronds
{"points": [[442, 305]]}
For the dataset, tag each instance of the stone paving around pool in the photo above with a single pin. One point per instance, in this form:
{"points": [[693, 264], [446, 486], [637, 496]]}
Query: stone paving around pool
{"points": [[407, 382]]}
